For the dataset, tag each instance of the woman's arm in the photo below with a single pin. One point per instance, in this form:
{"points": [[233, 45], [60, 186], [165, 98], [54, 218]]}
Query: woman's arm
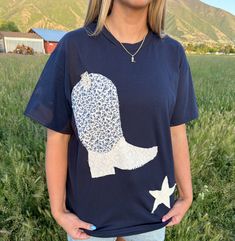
{"points": [[182, 174], [181, 161], [56, 173], [56, 169]]}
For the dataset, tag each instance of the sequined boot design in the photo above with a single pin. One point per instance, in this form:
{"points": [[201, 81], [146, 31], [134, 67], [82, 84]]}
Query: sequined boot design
{"points": [[96, 110]]}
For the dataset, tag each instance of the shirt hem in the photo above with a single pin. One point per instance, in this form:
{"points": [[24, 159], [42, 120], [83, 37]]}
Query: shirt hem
{"points": [[185, 120], [39, 121], [126, 231]]}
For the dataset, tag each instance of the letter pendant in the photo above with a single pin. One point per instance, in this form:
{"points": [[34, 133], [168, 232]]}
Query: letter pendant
{"points": [[132, 59]]}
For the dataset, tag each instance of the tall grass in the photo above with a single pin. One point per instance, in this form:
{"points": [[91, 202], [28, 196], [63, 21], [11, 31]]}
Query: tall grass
{"points": [[24, 204]]}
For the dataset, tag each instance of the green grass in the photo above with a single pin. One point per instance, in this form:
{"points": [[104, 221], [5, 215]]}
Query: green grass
{"points": [[24, 204]]}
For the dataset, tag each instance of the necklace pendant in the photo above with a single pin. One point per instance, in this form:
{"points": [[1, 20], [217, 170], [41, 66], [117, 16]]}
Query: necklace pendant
{"points": [[132, 59]]}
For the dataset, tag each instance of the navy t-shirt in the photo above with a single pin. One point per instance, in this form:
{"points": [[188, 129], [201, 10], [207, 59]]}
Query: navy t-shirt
{"points": [[119, 113]]}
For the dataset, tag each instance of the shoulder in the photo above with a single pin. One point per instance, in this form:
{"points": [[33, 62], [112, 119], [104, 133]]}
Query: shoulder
{"points": [[74, 35], [80, 38], [173, 42], [172, 46]]}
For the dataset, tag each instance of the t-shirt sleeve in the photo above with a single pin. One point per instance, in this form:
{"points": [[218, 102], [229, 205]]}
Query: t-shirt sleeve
{"points": [[48, 104], [185, 108]]}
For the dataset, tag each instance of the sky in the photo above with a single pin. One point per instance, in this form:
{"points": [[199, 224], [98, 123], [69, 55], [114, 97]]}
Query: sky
{"points": [[228, 5]]}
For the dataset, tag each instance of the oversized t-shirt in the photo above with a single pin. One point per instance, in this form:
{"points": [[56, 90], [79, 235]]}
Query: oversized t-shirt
{"points": [[120, 173]]}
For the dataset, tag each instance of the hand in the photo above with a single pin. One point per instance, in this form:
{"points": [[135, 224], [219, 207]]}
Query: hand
{"points": [[177, 211], [72, 224]]}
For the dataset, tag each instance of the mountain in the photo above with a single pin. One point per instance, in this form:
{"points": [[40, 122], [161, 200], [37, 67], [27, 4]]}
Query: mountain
{"points": [[195, 21], [186, 20], [60, 14]]}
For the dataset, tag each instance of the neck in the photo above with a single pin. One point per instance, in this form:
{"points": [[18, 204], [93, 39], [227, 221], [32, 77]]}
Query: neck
{"points": [[127, 24]]}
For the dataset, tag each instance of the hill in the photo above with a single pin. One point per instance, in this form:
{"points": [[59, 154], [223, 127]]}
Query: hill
{"points": [[195, 21], [186, 20]]}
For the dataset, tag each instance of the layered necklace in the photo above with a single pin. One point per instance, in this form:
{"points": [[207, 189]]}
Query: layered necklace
{"points": [[132, 55]]}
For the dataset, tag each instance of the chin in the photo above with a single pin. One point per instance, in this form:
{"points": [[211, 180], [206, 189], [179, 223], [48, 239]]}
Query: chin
{"points": [[135, 3]]}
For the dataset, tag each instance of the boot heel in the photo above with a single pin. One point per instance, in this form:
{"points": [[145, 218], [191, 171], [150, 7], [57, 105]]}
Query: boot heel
{"points": [[99, 165]]}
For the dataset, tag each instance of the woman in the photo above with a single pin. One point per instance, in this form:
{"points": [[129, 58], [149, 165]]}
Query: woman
{"points": [[115, 96]]}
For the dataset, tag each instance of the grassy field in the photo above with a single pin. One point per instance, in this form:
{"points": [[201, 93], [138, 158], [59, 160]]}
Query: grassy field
{"points": [[24, 205]]}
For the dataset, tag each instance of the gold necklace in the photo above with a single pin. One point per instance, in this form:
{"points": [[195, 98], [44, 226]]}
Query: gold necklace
{"points": [[132, 55]]}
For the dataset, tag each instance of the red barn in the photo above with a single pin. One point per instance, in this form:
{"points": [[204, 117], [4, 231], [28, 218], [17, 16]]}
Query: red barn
{"points": [[50, 36]]}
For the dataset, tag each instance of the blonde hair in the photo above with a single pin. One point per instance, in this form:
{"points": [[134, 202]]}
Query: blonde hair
{"points": [[100, 9]]}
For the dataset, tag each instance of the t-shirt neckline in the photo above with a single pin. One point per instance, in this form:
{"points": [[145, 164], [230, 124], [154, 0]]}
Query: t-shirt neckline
{"points": [[111, 37]]}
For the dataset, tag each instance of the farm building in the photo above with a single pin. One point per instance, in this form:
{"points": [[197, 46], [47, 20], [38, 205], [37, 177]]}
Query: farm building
{"points": [[10, 40], [51, 37]]}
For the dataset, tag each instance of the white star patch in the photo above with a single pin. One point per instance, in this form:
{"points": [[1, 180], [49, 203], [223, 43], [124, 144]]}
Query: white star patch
{"points": [[163, 195]]}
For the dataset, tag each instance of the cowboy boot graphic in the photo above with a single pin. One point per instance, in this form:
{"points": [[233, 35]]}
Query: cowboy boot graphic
{"points": [[96, 110]]}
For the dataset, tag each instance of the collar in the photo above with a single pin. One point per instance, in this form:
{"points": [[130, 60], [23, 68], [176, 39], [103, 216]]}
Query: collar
{"points": [[105, 32]]}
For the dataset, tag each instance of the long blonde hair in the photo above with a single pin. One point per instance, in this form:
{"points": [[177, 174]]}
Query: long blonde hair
{"points": [[100, 9]]}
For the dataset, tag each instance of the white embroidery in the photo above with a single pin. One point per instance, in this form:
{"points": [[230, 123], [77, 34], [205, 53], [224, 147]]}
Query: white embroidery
{"points": [[85, 80], [163, 195], [96, 110]]}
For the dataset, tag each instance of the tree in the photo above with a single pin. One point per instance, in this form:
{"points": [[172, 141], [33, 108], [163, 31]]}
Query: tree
{"points": [[8, 26]]}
